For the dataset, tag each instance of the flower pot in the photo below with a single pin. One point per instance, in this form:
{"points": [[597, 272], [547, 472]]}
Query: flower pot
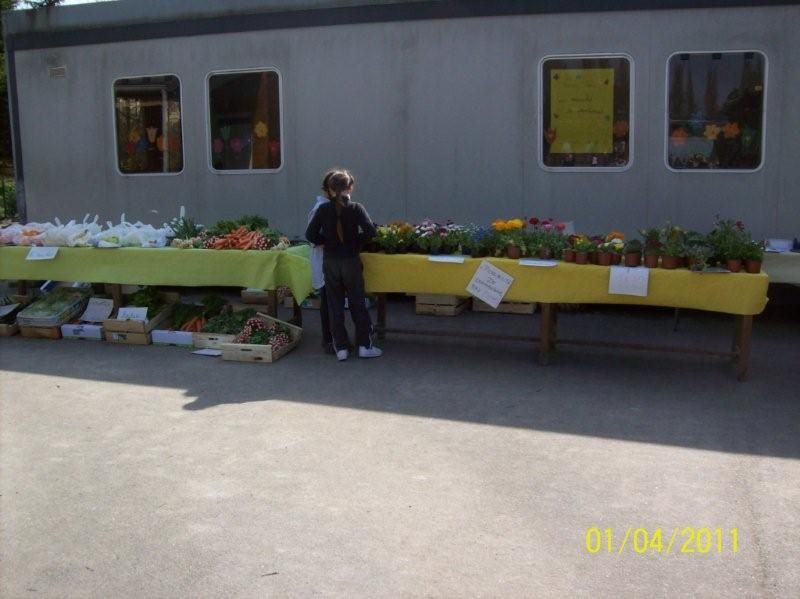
{"points": [[633, 259], [671, 262], [604, 258], [616, 258], [651, 260], [696, 264], [734, 265], [593, 257], [752, 266], [513, 252], [569, 255], [545, 253], [581, 257]]}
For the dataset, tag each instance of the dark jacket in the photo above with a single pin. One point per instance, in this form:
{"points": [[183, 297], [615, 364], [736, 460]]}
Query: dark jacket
{"points": [[357, 229]]}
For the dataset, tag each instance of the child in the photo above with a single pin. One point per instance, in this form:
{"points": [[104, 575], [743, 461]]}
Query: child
{"points": [[342, 227], [318, 278]]}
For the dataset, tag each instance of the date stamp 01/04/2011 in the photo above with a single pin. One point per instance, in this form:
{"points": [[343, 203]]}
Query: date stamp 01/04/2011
{"points": [[687, 540]]}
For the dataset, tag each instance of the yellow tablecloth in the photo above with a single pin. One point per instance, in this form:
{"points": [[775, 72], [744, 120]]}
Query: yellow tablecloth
{"points": [[740, 293], [166, 266], [782, 268]]}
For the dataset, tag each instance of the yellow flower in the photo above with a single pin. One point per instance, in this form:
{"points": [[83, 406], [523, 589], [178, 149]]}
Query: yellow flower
{"points": [[499, 225], [261, 129], [516, 223], [711, 132]]}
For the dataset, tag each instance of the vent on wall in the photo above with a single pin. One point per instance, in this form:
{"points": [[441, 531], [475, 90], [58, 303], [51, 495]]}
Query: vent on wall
{"points": [[57, 72]]}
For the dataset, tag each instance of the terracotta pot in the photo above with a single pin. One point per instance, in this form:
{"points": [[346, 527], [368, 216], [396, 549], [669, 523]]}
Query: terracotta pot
{"points": [[545, 254], [616, 258], [752, 266], [593, 257], [513, 252], [651, 260], [604, 258], [671, 262], [633, 259], [734, 265], [696, 264], [581, 257], [569, 255]]}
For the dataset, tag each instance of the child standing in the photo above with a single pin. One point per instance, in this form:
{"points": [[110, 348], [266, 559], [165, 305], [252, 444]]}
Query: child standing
{"points": [[342, 227]]}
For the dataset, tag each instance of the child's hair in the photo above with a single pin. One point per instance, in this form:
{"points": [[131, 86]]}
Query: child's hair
{"points": [[337, 180]]}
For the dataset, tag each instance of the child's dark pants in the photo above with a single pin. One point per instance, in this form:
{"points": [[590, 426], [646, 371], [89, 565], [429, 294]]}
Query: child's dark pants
{"points": [[344, 277]]}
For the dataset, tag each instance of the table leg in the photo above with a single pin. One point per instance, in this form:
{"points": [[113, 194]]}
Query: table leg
{"points": [[381, 325], [22, 287], [745, 327], [272, 302], [115, 291], [546, 326], [297, 313]]}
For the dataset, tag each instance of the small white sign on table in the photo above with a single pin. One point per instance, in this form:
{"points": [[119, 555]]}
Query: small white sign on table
{"points": [[447, 259], [42, 253], [490, 284], [628, 281]]}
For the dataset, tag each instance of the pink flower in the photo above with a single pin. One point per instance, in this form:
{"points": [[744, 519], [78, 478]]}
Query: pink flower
{"points": [[561, 226], [547, 226]]}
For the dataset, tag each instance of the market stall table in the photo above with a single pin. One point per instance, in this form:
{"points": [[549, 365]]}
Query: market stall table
{"points": [[165, 266], [741, 295]]}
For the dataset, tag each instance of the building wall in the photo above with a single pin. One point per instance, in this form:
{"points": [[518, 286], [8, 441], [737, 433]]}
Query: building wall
{"points": [[437, 119]]}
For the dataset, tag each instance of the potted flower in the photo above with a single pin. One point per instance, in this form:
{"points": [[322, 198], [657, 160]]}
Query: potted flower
{"points": [[652, 246], [610, 248], [753, 256], [729, 241], [633, 252], [674, 248], [583, 246], [387, 239], [512, 238], [569, 249], [698, 256]]}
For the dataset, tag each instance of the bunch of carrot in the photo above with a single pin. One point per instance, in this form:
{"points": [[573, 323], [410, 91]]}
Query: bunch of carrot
{"points": [[194, 325], [238, 239]]}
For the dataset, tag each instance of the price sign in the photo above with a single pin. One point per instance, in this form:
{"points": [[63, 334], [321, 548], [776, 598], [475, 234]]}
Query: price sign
{"points": [[490, 284], [38, 253]]}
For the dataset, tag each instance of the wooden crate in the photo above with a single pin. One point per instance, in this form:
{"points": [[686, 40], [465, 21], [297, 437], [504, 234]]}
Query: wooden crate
{"points": [[246, 352], [41, 332], [7, 330], [504, 307], [137, 326], [211, 340], [128, 338], [441, 305]]}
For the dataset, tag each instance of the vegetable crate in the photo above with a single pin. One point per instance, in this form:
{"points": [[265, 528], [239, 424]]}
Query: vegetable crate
{"points": [[41, 332], [504, 307], [248, 352], [441, 305], [7, 330], [211, 340]]}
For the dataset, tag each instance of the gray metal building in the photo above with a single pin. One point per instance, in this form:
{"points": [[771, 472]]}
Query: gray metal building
{"points": [[441, 108]]}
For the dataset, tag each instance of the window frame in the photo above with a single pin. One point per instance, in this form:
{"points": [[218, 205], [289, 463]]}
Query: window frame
{"points": [[209, 141], [116, 131], [631, 114], [763, 115]]}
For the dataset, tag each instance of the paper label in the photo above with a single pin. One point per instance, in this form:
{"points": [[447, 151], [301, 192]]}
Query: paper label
{"points": [[97, 310], [39, 253], [132, 314], [628, 281], [208, 352], [490, 284], [449, 259], [539, 263]]}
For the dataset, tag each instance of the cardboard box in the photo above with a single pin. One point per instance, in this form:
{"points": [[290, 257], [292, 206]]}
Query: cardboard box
{"points": [[41, 332], [246, 352], [128, 338], [138, 326], [175, 338], [7, 330], [86, 332]]}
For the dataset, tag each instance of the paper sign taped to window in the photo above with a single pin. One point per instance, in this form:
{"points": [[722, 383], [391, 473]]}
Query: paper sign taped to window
{"points": [[490, 284], [628, 281]]}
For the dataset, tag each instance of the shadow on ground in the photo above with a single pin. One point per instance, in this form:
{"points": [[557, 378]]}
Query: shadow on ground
{"points": [[670, 399]]}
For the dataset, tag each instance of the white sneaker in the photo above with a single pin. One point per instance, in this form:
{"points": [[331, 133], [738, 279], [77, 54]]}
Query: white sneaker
{"points": [[369, 352], [342, 355]]}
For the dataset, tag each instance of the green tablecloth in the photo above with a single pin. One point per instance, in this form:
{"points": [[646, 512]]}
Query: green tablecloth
{"points": [[166, 266]]}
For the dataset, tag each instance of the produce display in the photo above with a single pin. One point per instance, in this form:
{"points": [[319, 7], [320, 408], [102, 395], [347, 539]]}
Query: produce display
{"points": [[10, 317], [148, 297], [193, 317], [54, 309], [230, 323]]}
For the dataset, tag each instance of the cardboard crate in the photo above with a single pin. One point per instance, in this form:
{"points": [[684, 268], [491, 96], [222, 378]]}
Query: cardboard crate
{"points": [[246, 352], [441, 305], [139, 326], [7, 330], [128, 338], [211, 340], [41, 332], [172, 338], [504, 307], [83, 332]]}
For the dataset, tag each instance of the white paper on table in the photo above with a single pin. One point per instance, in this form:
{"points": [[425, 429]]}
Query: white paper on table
{"points": [[628, 281], [97, 310], [539, 263], [208, 352], [131, 313], [490, 284], [450, 259], [42, 253], [7, 309]]}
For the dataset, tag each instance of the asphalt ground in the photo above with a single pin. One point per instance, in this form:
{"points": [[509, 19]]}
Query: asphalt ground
{"points": [[446, 468]]}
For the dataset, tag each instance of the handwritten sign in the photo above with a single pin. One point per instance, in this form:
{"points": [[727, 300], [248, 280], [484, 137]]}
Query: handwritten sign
{"points": [[97, 310], [582, 110], [39, 253], [628, 281], [130, 313], [490, 284]]}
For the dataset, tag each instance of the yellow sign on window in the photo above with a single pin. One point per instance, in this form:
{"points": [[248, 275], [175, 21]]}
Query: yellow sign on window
{"points": [[582, 110]]}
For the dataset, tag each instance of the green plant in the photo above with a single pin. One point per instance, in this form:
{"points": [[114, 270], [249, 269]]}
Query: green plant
{"points": [[633, 246], [753, 250], [698, 256], [728, 239], [652, 241], [583, 244]]}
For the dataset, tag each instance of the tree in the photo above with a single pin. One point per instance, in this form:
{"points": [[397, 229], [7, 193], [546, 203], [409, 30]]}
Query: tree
{"points": [[41, 3]]}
